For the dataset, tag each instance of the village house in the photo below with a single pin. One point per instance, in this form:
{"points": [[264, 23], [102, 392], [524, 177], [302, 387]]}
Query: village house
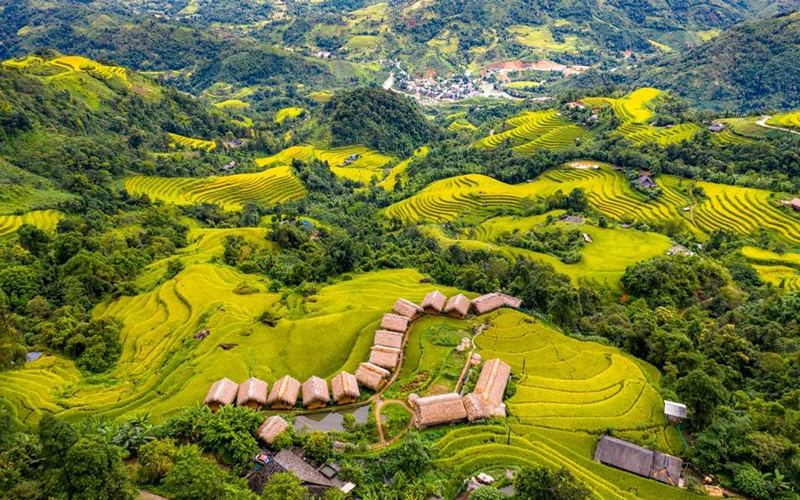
{"points": [[434, 302], [228, 166], [638, 460], [394, 323], [288, 461], [371, 376], [222, 392], [407, 308], [795, 203], [457, 306], [675, 412], [284, 393], [271, 428], [493, 301], [716, 127], [646, 181], [315, 393], [437, 410], [491, 386], [385, 357], [345, 388], [386, 338], [252, 393]]}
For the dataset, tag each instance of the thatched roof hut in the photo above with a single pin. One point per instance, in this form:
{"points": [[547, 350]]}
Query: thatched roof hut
{"points": [[271, 427], [252, 393], [222, 392], [388, 339], [492, 301], [394, 323], [315, 393], [287, 461], [437, 410], [476, 408], [371, 376], [433, 303], [642, 461], [284, 393], [385, 357], [457, 306], [406, 308], [345, 388], [492, 382]]}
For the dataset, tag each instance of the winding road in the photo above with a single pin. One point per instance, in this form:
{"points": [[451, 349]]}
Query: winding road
{"points": [[763, 123]]}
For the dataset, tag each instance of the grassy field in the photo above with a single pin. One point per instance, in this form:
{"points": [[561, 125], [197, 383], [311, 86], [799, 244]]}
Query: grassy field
{"points": [[367, 165], [634, 112], [162, 368], [788, 120], [732, 208], [43, 219], [534, 130], [188, 142], [782, 270], [320, 96], [272, 186], [285, 113], [541, 39], [568, 394]]}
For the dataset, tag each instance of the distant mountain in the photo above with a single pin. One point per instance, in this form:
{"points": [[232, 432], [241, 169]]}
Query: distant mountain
{"points": [[752, 66]]}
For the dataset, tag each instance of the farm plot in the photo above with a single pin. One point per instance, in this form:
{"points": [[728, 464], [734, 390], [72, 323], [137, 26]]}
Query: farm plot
{"points": [[632, 110], [534, 130], [94, 68], [285, 113], [162, 367], [461, 124], [321, 96], [190, 143], [46, 220], [357, 163], [276, 185], [788, 120], [782, 270], [398, 172]]}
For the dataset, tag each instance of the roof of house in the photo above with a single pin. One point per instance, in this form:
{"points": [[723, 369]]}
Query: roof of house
{"points": [[287, 461], [457, 304], [476, 407], [434, 301], [284, 391], [315, 390], [271, 427], [344, 385], [406, 308], [439, 409], [385, 357], [492, 382], [222, 392], [673, 409], [388, 339], [491, 301], [574, 219], [370, 375], [394, 322], [646, 181], [252, 390], [795, 202], [639, 460]]}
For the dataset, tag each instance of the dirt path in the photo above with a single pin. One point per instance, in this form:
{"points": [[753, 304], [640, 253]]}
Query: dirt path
{"points": [[763, 123], [380, 403], [463, 372]]}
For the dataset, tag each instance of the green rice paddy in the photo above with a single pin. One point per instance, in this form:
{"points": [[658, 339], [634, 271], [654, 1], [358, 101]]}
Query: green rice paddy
{"points": [[46, 220], [788, 120], [190, 143], [781, 270], [285, 113], [366, 165], [534, 130]]}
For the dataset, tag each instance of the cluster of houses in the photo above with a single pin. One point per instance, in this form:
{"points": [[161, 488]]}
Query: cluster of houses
{"points": [[503, 68]]}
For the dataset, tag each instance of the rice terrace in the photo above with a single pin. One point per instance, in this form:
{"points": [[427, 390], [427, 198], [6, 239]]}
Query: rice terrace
{"points": [[418, 250]]}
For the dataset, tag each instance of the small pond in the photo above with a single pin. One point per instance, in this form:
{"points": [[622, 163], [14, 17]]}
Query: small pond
{"points": [[330, 421]]}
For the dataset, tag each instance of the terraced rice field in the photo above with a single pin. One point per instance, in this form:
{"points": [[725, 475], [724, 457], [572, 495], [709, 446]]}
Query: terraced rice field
{"points": [[368, 163], [193, 143], [236, 104], [276, 185], [285, 113], [321, 96], [94, 68], [788, 120], [461, 124], [46, 220], [534, 130], [540, 38], [781, 270], [730, 137], [162, 368], [398, 172], [632, 110]]}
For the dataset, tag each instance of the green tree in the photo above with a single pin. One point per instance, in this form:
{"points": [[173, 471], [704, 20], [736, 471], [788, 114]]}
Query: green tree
{"points": [[56, 437], [194, 477], [541, 483], [33, 239], [156, 460], [93, 470], [318, 446], [229, 432], [284, 486], [487, 493], [701, 393]]}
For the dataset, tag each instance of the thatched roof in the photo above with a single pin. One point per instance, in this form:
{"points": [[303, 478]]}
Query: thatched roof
{"points": [[371, 376], [634, 458], [492, 382], [271, 427], [315, 391], [287, 461], [437, 410], [394, 323], [433, 303], [385, 357], [406, 308], [491, 301], [252, 390], [476, 408], [284, 392], [388, 339], [457, 306], [222, 392], [345, 387]]}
